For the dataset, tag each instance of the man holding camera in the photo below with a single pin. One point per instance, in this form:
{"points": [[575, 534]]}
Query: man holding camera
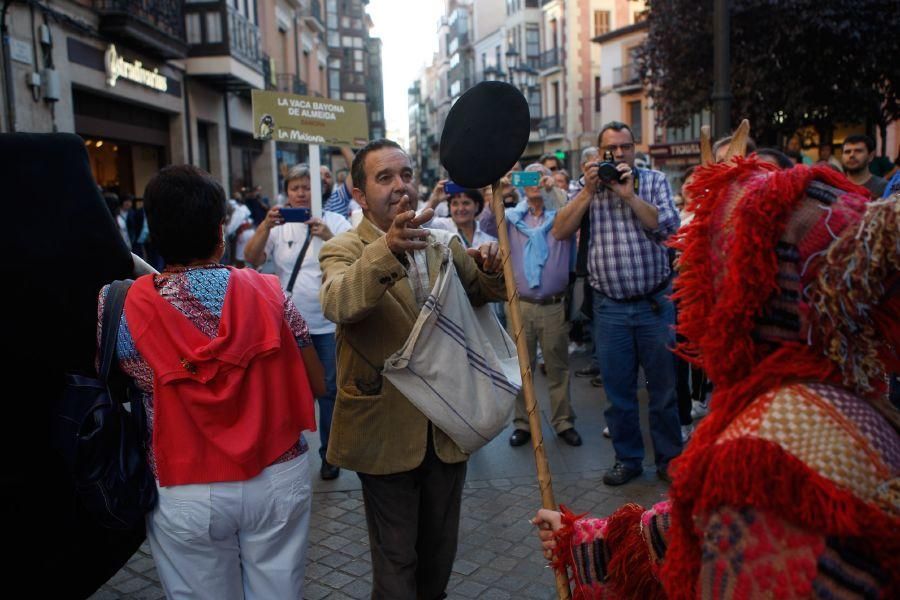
{"points": [[631, 215]]}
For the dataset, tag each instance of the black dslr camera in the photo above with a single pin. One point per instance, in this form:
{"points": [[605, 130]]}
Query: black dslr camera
{"points": [[607, 170]]}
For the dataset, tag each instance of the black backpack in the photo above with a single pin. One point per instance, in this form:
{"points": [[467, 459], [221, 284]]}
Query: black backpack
{"points": [[100, 441]]}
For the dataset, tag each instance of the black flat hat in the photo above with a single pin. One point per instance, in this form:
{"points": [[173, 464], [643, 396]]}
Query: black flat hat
{"points": [[485, 133]]}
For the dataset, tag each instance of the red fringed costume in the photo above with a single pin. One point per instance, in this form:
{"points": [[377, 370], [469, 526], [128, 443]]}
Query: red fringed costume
{"points": [[790, 488]]}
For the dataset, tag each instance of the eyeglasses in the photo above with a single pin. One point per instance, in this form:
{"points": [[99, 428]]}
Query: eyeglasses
{"points": [[553, 168], [622, 147]]}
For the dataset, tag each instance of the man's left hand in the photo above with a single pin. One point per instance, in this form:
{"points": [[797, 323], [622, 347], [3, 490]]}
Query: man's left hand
{"points": [[487, 257], [624, 189]]}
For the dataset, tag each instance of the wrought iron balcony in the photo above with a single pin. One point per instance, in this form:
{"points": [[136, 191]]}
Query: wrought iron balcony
{"points": [[216, 30], [290, 83], [312, 13], [552, 125], [626, 76], [550, 58], [155, 26]]}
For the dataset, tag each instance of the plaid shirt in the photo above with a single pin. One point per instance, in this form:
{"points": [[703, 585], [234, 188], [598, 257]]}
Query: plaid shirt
{"points": [[625, 258]]}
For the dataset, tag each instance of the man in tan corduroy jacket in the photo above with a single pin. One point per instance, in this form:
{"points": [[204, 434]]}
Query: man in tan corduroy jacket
{"points": [[375, 279]]}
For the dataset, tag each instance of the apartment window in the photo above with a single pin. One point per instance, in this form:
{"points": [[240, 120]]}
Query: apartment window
{"points": [[356, 23], [532, 45], [334, 63], [331, 6], [357, 42], [601, 22], [454, 60], [192, 28], [334, 39], [347, 41], [596, 94], [483, 61], [331, 21], [334, 83], [345, 22], [213, 27], [534, 102], [635, 119], [358, 66]]}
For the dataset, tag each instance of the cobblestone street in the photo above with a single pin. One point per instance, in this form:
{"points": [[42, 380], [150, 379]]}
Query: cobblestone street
{"points": [[498, 555]]}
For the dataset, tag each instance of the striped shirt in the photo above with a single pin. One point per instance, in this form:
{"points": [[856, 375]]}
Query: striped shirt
{"points": [[625, 259], [341, 201]]}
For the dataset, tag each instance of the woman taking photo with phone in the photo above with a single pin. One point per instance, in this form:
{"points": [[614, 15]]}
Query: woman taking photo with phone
{"points": [[294, 246], [465, 205]]}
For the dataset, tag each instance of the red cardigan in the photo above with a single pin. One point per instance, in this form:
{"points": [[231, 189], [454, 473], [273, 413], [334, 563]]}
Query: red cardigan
{"points": [[226, 407]]}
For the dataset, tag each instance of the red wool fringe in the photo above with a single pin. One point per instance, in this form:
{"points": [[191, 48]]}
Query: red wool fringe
{"points": [[630, 569], [788, 488]]}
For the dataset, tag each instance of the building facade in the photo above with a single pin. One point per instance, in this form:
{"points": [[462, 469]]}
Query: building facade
{"points": [[148, 84]]}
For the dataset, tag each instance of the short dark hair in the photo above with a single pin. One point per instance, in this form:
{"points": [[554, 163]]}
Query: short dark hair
{"points": [[550, 156], [615, 126], [473, 195], [112, 202], [185, 207], [861, 138], [780, 157], [358, 167]]}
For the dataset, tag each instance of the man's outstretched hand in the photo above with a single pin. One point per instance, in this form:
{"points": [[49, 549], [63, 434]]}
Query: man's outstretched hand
{"points": [[405, 234], [487, 257]]}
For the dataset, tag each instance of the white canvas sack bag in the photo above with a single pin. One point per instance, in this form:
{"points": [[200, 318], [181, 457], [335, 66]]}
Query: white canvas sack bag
{"points": [[458, 365]]}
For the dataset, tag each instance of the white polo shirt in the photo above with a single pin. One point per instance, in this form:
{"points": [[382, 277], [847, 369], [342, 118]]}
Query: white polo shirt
{"points": [[283, 247]]}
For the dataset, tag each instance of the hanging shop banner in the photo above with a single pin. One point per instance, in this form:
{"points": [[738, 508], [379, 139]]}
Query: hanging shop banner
{"points": [[291, 118]]}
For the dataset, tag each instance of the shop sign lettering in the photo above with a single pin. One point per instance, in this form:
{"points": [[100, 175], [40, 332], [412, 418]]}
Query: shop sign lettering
{"points": [[117, 67]]}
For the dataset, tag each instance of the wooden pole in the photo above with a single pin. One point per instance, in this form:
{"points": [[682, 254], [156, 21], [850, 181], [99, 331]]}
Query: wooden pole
{"points": [[534, 419]]}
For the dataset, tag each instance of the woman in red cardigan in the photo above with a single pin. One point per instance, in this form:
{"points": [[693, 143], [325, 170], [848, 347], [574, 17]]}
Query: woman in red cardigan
{"points": [[227, 373], [790, 488]]}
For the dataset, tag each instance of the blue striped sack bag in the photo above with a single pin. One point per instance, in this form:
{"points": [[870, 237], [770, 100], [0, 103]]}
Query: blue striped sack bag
{"points": [[458, 365]]}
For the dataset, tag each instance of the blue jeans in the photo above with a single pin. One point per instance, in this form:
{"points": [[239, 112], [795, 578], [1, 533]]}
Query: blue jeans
{"points": [[326, 349], [628, 334]]}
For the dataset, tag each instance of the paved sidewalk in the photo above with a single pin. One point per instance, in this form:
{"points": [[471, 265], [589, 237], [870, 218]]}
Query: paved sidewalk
{"points": [[498, 555]]}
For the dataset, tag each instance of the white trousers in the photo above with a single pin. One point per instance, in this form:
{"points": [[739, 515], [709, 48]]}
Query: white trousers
{"points": [[241, 540]]}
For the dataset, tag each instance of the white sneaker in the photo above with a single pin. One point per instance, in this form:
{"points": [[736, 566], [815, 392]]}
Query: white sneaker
{"points": [[699, 408], [686, 431], [606, 432]]}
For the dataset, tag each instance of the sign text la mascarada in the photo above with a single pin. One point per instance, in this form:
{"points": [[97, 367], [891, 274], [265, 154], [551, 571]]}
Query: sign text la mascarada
{"points": [[309, 120]]}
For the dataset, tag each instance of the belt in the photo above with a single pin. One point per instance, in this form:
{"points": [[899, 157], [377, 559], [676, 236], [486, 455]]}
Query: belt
{"points": [[544, 301], [649, 296], [660, 287]]}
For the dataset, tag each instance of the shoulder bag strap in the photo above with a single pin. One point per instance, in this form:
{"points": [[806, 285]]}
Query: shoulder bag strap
{"points": [[112, 316], [296, 271]]}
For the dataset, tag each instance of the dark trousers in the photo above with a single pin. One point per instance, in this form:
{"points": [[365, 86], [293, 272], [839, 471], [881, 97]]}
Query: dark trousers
{"points": [[413, 520]]}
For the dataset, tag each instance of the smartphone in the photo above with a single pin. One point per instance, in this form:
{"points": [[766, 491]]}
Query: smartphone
{"points": [[452, 188], [295, 215], [526, 178]]}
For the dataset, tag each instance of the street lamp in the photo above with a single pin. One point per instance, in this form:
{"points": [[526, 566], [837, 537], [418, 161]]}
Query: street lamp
{"points": [[492, 73], [512, 59]]}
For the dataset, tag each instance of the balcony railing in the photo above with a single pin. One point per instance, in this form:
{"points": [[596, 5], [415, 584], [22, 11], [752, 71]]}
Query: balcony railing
{"points": [[553, 124], [312, 12], [220, 30], [290, 83], [550, 58], [156, 26], [244, 38], [626, 76]]}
